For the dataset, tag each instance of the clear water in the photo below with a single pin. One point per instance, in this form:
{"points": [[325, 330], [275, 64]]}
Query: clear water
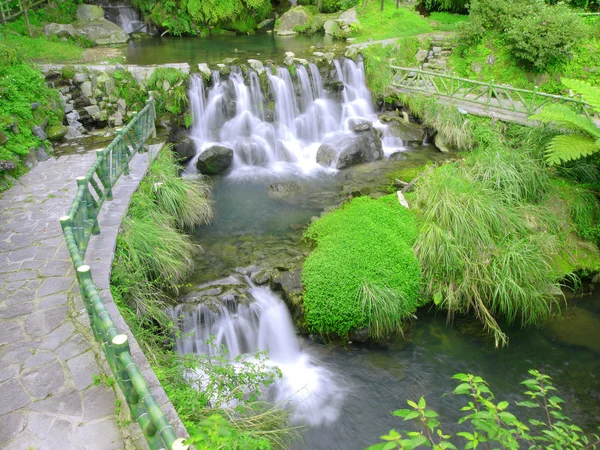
{"points": [[215, 49]]}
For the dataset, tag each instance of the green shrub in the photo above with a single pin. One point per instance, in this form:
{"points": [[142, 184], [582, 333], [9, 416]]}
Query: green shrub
{"points": [[362, 248], [488, 420], [459, 6], [377, 61], [545, 37]]}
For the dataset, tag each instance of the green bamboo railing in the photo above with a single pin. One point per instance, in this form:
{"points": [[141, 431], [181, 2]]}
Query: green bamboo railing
{"points": [[78, 226], [490, 95]]}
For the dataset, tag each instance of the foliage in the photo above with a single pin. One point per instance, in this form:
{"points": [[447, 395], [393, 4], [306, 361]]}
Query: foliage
{"points": [[545, 37], [584, 137], [446, 120], [20, 87], [363, 271], [389, 23], [41, 49], [377, 61], [459, 6], [489, 423], [194, 17], [444, 21], [177, 100], [152, 254]]}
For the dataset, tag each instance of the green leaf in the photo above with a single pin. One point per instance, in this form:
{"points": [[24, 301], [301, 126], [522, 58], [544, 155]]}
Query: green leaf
{"points": [[411, 415], [463, 388], [401, 412], [422, 403], [528, 404], [438, 298], [502, 406], [570, 147], [411, 403]]}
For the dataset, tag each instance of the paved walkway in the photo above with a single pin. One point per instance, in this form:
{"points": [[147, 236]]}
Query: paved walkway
{"points": [[52, 394]]}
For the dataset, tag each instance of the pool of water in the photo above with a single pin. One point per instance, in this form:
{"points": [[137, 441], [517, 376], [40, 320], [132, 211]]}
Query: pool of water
{"points": [[214, 49]]}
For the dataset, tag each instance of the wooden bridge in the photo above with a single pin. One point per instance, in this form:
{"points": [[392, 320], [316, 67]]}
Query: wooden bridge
{"points": [[480, 98]]}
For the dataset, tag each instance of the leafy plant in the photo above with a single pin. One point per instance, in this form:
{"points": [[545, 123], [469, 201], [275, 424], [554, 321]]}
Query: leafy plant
{"points": [[489, 423], [363, 271], [584, 137]]}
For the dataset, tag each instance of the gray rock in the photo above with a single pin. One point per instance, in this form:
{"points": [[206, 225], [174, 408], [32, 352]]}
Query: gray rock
{"points": [[352, 150], [86, 12], [407, 131], [349, 17], [101, 32], [421, 55], [110, 87], [59, 30], [7, 165], [215, 160], [289, 284], [205, 70], [86, 89], [92, 110], [491, 60], [397, 156], [362, 127], [121, 105], [257, 65], [80, 77], [296, 16], [266, 24], [35, 105], [31, 158], [441, 143], [185, 149], [332, 28], [41, 154], [326, 155], [289, 58], [281, 189], [39, 132], [476, 67]]}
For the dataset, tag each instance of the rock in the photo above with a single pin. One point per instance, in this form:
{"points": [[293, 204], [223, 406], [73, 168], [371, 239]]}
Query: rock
{"points": [[41, 154], [86, 12], [283, 189], [352, 150], [92, 110], [205, 70], [59, 30], [7, 165], [86, 89], [296, 16], [3, 138], [31, 158], [116, 119], [441, 143], [326, 155], [352, 52], [257, 65], [80, 77], [57, 133], [185, 149], [436, 50], [101, 31], [407, 131], [35, 105], [476, 67], [421, 56], [231, 61], [397, 156], [349, 17], [110, 87], [289, 58], [362, 127], [121, 105], [334, 85], [268, 23], [39, 132], [289, 284], [332, 28], [491, 60], [215, 160]]}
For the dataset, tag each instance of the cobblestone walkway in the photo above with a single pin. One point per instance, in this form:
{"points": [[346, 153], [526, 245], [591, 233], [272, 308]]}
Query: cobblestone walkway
{"points": [[49, 360]]}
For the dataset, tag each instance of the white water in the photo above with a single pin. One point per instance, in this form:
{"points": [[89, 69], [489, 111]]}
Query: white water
{"points": [[234, 113], [124, 15], [312, 391]]}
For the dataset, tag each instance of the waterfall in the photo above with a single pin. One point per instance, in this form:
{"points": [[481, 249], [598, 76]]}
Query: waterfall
{"points": [[279, 124], [124, 15], [265, 324]]}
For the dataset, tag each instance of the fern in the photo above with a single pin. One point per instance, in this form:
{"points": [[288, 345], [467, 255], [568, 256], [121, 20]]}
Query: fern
{"points": [[584, 137]]}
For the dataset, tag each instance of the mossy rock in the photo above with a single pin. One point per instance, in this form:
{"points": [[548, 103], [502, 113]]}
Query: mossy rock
{"points": [[68, 72], [56, 133]]}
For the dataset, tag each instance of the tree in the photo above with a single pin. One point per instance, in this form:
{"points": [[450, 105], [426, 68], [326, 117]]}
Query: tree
{"points": [[583, 135]]}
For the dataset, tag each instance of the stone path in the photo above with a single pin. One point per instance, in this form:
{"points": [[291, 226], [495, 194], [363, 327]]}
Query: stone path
{"points": [[53, 393]]}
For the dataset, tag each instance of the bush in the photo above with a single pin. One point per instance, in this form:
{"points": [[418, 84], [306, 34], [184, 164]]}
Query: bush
{"points": [[363, 271], [545, 37], [458, 6], [488, 420]]}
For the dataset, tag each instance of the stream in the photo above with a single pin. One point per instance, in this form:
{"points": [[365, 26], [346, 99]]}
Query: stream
{"points": [[343, 394]]}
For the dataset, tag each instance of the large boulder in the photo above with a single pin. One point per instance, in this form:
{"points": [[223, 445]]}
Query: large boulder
{"points": [[87, 12], [297, 16], [185, 149], [215, 160], [101, 31], [361, 147], [57, 132], [59, 30], [407, 131]]}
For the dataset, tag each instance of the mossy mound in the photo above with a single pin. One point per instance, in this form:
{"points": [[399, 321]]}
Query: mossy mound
{"points": [[364, 246]]}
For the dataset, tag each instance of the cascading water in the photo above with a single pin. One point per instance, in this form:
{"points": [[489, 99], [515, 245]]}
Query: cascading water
{"points": [[124, 15], [264, 325], [281, 128]]}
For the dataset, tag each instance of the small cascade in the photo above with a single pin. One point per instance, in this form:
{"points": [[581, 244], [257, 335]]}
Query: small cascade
{"points": [[278, 123], [264, 325], [124, 15]]}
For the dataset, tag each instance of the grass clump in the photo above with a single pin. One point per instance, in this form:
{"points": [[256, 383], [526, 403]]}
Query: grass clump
{"points": [[363, 272], [153, 256]]}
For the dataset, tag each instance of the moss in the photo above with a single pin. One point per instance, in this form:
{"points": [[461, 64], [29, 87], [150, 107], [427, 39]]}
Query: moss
{"points": [[365, 241]]}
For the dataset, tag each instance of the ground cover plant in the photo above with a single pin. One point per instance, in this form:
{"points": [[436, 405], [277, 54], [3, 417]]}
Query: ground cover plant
{"points": [[363, 272], [487, 422]]}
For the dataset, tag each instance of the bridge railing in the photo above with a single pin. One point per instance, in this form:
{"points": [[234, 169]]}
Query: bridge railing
{"points": [[490, 94], [78, 226]]}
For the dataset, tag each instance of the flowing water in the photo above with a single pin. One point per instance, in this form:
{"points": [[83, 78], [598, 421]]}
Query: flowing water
{"points": [[234, 112], [123, 14], [344, 394]]}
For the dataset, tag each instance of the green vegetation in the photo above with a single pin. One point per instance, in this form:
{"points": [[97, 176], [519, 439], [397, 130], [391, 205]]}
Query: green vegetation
{"points": [[363, 272], [42, 49], [487, 422], [196, 17], [152, 255], [446, 5], [21, 86], [177, 101], [584, 139]]}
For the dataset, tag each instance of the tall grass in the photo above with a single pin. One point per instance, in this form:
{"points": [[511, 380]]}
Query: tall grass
{"points": [[153, 255]]}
